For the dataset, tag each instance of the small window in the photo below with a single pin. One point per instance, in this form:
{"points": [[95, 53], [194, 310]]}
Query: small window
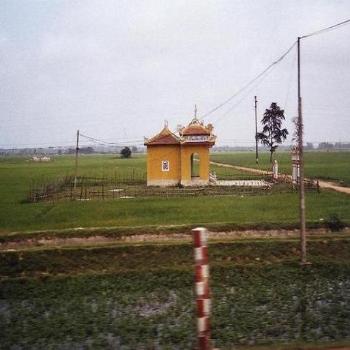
{"points": [[165, 165]]}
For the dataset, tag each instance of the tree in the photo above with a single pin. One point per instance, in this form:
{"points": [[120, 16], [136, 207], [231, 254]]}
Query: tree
{"points": [[125, 152], [86, 150], [309, 146], [272, 133], [325, 145]]}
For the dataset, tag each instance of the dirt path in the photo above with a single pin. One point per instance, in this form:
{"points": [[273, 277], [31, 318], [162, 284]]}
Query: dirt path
{"points": [[333, 186], [242, 168], [323, 184], [169, 238]]}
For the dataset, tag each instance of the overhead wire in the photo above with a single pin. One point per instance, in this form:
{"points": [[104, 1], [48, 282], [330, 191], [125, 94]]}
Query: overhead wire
{"points": [[70, 143], [258, 82], [106, 142], [254, 86], [323, 30], [273, 64], [249, 83], [293, 63]]}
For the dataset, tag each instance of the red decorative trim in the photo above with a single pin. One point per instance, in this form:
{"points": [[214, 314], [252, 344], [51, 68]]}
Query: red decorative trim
{"points": [[202, 291]]}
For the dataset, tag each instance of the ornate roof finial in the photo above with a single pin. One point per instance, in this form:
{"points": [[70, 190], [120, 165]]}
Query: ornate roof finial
{"points": [[165, 123], [195, 119]]}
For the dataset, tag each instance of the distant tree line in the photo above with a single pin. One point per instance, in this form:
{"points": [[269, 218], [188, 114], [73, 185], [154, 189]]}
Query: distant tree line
{"points": [[90, 150], [82, 150], [336, 145], [309, 146], [327, 146]]}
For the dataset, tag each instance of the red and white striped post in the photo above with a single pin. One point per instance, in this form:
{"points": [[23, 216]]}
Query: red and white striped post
{"points": [[200, 237]]}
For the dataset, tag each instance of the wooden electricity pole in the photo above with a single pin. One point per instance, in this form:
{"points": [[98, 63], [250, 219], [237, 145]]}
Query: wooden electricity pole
{"points": [[256, 131], [301, 179], [76, 160]]}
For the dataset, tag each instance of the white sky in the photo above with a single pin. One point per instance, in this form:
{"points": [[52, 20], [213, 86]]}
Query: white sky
{"points": [[117, 69]]}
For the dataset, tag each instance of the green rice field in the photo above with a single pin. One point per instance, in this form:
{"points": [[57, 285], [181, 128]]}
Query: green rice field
{"points": [[333, 166], [278, 207]]}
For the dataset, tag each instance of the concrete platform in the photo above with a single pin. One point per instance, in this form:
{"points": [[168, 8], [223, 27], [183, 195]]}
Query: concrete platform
{"points": [[243, 183]]}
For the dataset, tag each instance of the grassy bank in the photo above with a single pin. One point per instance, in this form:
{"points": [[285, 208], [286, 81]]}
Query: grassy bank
{"points": [[279, 208], [135, 297]]}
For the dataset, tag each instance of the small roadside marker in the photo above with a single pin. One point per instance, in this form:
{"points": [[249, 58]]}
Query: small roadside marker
{"points": [[203, 301]]}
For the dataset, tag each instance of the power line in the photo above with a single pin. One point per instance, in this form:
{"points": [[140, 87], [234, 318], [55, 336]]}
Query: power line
{"points": [[106, 142], [321, 31], [244, 97], [70, 143], [272, 64], [258, 82], [290, 80], [250, 82]]}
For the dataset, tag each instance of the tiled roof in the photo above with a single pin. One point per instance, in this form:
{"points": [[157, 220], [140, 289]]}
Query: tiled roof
{"points": [[195, 129], [165, 137]]}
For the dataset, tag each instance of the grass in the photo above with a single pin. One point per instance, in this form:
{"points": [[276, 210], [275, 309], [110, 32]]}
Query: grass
{"points": [[224, 173], [248, 210], [141, 297], [18, 173], [273, 207], [321, 165]]}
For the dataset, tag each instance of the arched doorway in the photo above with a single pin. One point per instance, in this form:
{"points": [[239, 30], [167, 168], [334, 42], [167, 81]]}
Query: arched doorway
{"points": [[195, 161]]}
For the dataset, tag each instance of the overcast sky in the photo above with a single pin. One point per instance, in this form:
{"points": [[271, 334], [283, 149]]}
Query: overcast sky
{"points": [[117, 69]]}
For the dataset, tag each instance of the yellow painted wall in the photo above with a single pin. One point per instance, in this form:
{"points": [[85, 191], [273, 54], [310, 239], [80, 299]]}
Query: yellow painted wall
{"points": [[155, 155], [203, 153]]}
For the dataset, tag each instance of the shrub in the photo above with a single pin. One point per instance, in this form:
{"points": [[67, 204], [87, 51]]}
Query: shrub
{"points": [[334, 223], [125, 152]]}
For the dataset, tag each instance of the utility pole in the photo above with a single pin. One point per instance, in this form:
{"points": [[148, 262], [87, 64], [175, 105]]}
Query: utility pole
{"points": [[76, 160], [301, 179], [256, 131]]}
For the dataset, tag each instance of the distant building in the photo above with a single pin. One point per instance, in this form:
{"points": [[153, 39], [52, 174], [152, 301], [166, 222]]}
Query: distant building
{"points": [[41, 159], [180, 159]]}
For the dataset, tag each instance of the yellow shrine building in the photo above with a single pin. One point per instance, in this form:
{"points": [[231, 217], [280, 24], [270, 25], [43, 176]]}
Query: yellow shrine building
{"points": [[180, 159]]}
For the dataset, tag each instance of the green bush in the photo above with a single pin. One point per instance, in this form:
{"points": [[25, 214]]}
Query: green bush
{"points": [[334, 223]]}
